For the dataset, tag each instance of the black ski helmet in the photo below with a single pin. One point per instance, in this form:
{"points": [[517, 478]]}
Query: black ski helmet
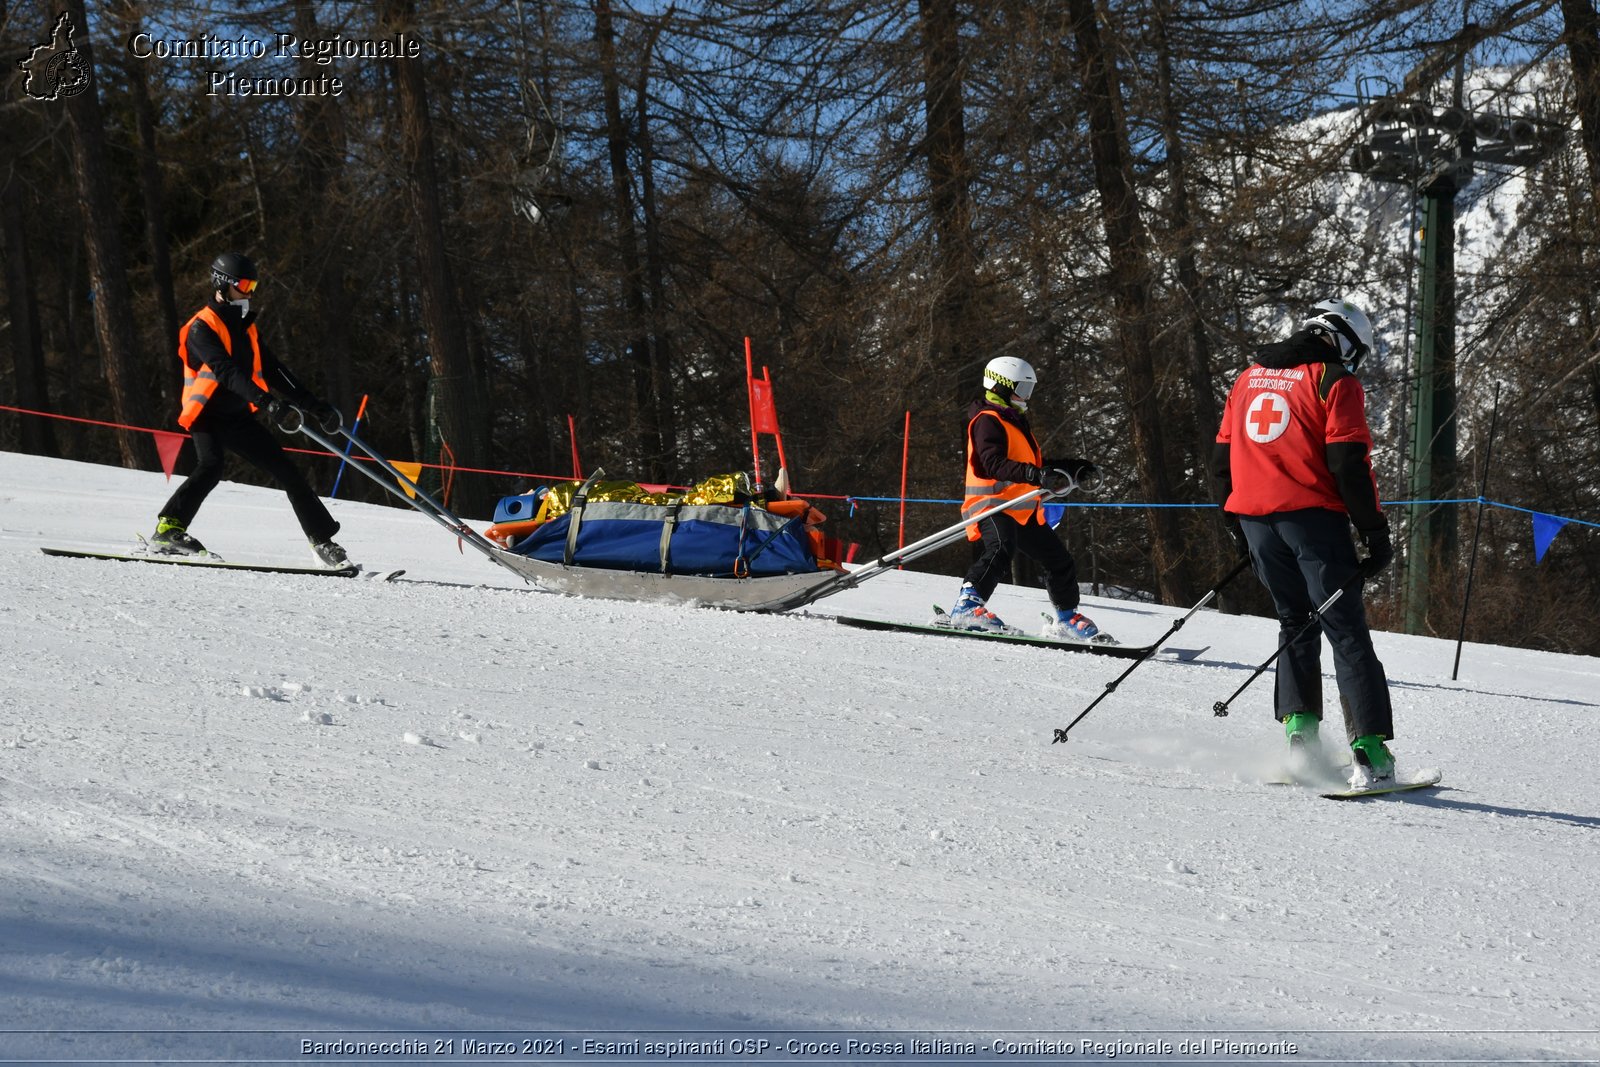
{"points": [[231, 268]]}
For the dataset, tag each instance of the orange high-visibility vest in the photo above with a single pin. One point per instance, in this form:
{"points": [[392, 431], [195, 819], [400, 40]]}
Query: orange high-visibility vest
{"points": [[199, 385], [986, 492]]}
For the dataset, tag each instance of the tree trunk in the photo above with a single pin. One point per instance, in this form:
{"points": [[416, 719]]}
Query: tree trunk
{"points": [[637, 314], [32, 386], [1583, 45], [1204, 408], [949, 201], [1128, 246], [108, 274], [453, 378], [660, 345], [323, 147], [155, 213]]}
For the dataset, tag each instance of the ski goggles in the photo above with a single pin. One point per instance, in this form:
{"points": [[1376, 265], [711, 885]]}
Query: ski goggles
{"points": [[245, 285]]}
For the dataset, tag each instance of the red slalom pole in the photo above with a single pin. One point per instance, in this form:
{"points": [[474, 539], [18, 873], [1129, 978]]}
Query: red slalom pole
{"points": [[905, 463], [572, 434], [750, 401], [777, 435]]}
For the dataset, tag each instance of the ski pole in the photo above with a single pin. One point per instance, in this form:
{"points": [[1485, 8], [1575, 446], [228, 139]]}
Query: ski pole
{"points": [[1220, 708], [1061, 733]]}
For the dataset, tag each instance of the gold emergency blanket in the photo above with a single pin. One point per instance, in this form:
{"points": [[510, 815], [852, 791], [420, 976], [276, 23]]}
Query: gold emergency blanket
{"points": [[718, 489]]}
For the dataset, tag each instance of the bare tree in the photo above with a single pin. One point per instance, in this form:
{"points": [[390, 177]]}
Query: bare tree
{"points": [[633, 281], [454, 379], [949, 195], [113, 304], [32, 388], [1129, 247], [154, 201], [1583, 45]]}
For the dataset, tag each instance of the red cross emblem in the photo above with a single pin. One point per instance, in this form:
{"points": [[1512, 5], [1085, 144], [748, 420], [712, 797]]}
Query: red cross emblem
{"points": [[1267, 418]]}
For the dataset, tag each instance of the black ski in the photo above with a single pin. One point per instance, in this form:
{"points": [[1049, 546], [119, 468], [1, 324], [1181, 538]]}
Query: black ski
{"points": [[1115, 651], [211, 562]]}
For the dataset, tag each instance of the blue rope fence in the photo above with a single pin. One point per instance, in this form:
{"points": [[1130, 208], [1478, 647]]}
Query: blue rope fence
{"points": [[1545, 525], [854, 500]]}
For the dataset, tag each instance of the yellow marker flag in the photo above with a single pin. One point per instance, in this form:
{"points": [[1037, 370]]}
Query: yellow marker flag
{"points": [[412, 471]]}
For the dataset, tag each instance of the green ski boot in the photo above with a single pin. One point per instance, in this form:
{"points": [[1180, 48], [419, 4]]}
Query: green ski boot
{"points": [[1304, 750], [1374, 763]]}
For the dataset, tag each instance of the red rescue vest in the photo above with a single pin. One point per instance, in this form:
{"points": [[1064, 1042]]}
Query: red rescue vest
{"points": [[1278, 424], [986, 492], [198, 385]]}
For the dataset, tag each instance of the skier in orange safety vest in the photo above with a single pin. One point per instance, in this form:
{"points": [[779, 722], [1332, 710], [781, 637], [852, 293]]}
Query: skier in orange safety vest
{"points": [[228, 374], [1004, 463]]}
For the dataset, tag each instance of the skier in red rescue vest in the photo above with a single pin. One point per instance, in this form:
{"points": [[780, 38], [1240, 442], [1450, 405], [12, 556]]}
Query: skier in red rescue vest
{"points": [[229, 373], [1294, 457]]}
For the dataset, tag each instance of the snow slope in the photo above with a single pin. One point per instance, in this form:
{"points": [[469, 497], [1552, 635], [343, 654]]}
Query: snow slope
{"points": [[253, 816]]}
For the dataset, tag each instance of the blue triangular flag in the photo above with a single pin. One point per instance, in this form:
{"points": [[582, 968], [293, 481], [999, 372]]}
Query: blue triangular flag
{"points": [[1545, 528], [1054, 513]]}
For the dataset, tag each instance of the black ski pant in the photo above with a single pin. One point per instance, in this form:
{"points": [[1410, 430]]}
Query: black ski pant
{"points": [[1302, 557], [1003, 538], [252, 442]]}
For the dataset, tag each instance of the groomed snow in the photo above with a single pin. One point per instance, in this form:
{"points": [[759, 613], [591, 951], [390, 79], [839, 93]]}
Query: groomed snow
{"points": [[251, 816]]}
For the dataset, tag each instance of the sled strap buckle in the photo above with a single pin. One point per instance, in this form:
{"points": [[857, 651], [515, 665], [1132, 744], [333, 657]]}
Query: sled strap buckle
{"points": [[741, 564], [669, 524], [579, 500]]}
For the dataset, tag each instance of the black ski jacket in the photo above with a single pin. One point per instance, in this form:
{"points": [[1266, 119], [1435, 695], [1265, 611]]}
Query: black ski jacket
{"points": [[235, 391], [988, 448]]}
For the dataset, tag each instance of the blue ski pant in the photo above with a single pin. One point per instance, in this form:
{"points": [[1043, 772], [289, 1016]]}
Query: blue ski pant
{"points": [[1302, 557]]}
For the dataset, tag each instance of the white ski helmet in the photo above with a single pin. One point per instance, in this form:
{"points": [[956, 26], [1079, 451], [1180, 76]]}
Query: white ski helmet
{"points": [[1011, 379], [1351, 330]]}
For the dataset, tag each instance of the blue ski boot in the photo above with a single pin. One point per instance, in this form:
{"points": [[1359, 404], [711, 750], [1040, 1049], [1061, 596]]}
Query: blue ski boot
{"points": [[970, 613]]}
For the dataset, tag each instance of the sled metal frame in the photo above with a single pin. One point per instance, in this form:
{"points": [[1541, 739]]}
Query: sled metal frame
{"points": [[782, 592], [421, 501]]}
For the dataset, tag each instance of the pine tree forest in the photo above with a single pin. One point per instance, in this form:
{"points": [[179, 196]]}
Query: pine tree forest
{"points": [[524, 227]]}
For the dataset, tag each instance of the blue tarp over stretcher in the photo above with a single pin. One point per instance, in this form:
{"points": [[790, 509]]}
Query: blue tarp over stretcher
{"points": [[711, 540]]}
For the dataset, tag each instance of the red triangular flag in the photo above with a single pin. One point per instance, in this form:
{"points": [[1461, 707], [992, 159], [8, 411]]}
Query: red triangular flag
{"points": [[763, 413], [168, 445]]}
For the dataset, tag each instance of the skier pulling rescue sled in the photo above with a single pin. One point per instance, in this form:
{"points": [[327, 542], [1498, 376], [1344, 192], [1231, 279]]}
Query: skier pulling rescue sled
{"points": [[229, 373], [1004, 462]]}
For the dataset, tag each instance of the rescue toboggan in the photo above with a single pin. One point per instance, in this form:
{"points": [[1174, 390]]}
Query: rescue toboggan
{"points": [[741, 558]]}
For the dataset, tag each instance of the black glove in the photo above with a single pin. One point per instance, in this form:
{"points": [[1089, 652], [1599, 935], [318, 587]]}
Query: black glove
{"points": [[1046, 478], [1380, 553], [326, 416], [1079, 470], [282, 414], [1081, 473], [1031, 475]]}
